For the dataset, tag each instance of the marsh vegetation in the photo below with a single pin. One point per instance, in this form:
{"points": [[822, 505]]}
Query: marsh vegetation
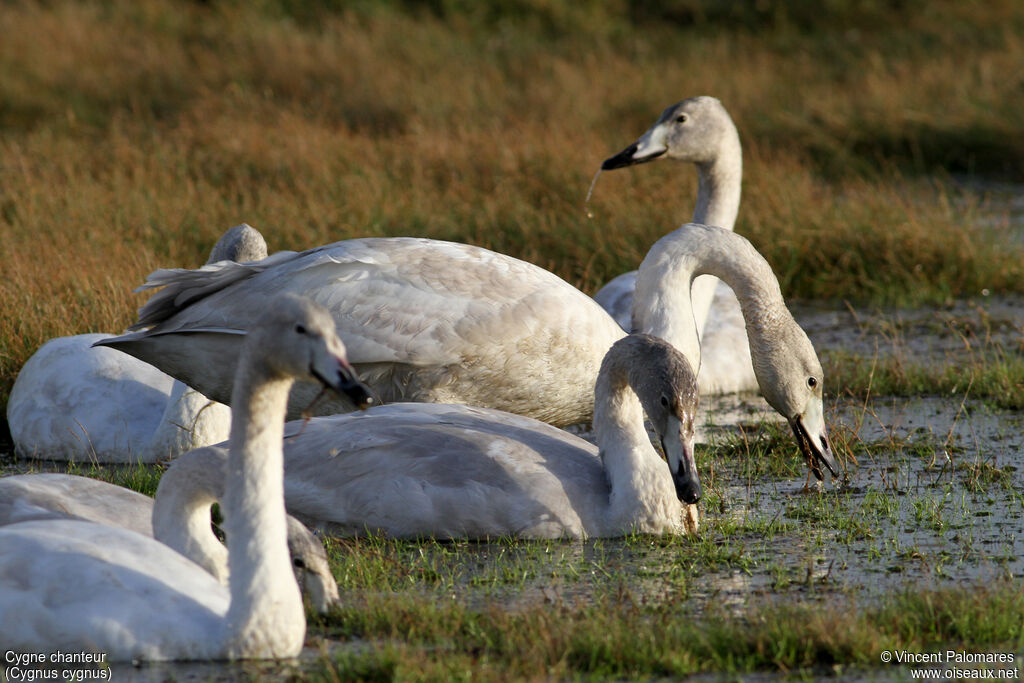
{"points": [[883, 147]]}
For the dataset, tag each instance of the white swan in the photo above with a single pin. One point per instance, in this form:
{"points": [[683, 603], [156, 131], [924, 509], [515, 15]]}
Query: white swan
{"points": [[452, 471], [181, 520], [76, 401], [438, 322], [698, 130], [134, 598]]}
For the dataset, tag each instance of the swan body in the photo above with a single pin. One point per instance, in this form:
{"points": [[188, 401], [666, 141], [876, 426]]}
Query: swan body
{"points": [[136, 598], [424, 320], [182, 520], [76, 401], [698, 130], [439, 322], [453, 471]]}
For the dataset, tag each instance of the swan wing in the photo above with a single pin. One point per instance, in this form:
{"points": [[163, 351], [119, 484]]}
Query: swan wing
{"points": [[421, 319], [447, 471]]}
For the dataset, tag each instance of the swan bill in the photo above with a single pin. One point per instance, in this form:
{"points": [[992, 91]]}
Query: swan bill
{"points": [[345, 383], [678, 447], [815, 447], [629, 157]]}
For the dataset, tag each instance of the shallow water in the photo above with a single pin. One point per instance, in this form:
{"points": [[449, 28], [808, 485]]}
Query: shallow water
{"points": [[935, 499]]}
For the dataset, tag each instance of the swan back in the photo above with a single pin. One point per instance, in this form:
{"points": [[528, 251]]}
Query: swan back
{"points": [[423, 320]]}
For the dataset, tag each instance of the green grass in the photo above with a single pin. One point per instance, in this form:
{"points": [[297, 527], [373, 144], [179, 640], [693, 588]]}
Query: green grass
{"points": [[618, 638]]}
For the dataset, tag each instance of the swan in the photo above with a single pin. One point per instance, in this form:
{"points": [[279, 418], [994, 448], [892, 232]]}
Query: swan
{"points": [[76, 401], [439, 322], [182, 520], [451, 471], [698, 130], [135, 598]]}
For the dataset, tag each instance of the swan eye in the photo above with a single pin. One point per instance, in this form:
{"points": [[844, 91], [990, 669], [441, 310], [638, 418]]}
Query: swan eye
{"points": [[300, 329], [664, 401], [812, 382], [681, 118], [298, 561]]}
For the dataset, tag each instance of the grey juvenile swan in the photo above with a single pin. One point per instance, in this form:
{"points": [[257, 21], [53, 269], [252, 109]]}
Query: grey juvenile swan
{"points": [[133, 597], [76, 401], [439, 322], [182, 519], [452, 471], [700, 131]]}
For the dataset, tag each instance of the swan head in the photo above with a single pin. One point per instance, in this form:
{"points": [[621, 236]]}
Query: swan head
{"points": [[306, 344], [792, 381], [241, 243], [694, 130], [667, 388], [312, 570]]}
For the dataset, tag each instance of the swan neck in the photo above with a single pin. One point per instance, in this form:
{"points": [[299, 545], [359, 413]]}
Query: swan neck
{"points": [[265, 615], [664, 307], [631, 465], [181, 511], [719, 183]]}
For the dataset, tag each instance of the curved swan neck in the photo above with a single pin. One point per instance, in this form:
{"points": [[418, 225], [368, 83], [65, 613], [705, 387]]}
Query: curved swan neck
{"points": [[663, 305], [618, 416], [719, 183], [637, 476], [264, 596], [181, 512]]}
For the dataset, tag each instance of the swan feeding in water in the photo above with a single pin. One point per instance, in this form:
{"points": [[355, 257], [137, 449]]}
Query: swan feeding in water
{"points": [[133, 597], [439, 322], [76, 401], [451, 471], [181, 521], [700, 131]]}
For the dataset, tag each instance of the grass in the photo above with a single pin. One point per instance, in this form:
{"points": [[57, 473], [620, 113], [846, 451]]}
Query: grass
{"points": [[133, 133], [618, 638], [972, 351]]}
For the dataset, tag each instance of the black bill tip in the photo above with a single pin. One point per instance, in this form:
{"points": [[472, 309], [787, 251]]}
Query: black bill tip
{"points": [[627, 157]]}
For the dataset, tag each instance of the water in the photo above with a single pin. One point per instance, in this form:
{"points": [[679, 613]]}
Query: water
{"points": [[586, 202], [935, 499]]}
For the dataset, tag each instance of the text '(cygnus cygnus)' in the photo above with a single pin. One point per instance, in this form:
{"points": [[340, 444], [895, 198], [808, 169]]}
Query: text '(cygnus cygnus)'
{"points": [[135, 598], [700, 131], [452, 471], [79, 402]]}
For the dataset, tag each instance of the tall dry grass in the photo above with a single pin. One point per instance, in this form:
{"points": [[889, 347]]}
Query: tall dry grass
{"points": [[133, 133]]}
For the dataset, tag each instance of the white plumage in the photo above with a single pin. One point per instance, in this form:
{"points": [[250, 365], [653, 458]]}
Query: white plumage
{"points": [[68, 585], [453, 471], [700, 131], [79, 402]]}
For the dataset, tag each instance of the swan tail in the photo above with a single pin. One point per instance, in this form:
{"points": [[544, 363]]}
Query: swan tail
{"points": [[182, 287]]}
